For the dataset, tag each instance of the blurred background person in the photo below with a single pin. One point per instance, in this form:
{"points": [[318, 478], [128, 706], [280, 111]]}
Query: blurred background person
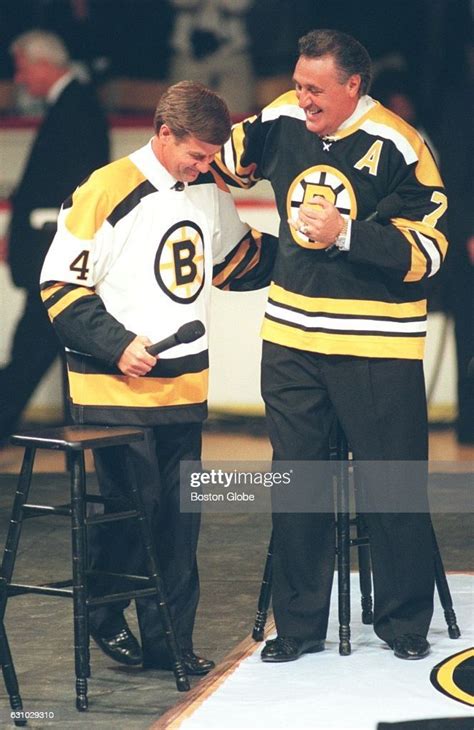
{"points": [[211, 44], [71, 141]]}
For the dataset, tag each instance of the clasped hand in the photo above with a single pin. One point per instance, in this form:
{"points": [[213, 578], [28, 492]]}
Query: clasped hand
{"points": [[319, 220]]}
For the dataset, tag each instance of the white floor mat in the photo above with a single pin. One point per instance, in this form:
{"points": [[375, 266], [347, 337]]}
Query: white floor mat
{"points": [[329, 692]]}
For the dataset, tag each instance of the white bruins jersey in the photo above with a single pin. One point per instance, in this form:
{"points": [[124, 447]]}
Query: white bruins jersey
{"points": [[136, 254], [371, 300]]}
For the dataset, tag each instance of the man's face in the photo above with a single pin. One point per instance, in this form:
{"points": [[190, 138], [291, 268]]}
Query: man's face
{"points": [[35, 76], [325, 100], [185, 158]]}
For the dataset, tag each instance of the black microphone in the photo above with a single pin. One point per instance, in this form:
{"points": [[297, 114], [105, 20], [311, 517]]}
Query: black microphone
{"points": [[186, 333], [386, 208]]}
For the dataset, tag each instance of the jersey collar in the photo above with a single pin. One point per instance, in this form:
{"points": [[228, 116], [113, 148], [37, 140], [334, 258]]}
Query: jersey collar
{"points": [[149, 164], [352, 123]]}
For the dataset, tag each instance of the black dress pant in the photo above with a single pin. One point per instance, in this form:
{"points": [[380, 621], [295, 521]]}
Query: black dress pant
{"points": [[116, 547], [34, 349], [381, 406]]}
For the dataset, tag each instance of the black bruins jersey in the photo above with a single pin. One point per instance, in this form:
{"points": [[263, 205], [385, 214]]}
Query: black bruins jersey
{"points": [[135, 254], [370, 301]]}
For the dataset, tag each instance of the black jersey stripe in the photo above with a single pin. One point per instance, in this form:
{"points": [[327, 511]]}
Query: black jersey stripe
{"points": [[422, 246], [328, 330], [60, 293], [130, 201], [69, 200], [241, 267], [136, 416], [334, 315], [165, 368]]}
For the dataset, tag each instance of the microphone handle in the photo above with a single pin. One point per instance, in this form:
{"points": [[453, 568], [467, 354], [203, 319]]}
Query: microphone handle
{"points": [[165, 344], [373, 216]]}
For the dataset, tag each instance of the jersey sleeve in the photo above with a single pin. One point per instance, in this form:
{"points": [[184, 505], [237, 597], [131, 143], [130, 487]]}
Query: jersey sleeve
{"points": [[79, 256], [412, 244], [239, 161], [243, 257]]}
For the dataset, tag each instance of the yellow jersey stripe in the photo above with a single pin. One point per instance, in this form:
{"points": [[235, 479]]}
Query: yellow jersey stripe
{"points": [[50, 291], [67, 300], [228, 173], [427, 244], [348, 306], [123, 391], [238, 136], [91, 206], [233, 263], [409, 348]]}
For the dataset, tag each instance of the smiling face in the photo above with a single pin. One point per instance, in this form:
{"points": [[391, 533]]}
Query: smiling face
{"points": [[184, 158], [325, 98]]}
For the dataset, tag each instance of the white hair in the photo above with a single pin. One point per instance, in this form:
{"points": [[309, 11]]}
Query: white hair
{"points": [[41, 45]]}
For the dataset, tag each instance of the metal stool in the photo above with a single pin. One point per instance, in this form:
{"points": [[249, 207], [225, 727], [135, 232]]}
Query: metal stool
{"points": [[74, 440], [339, 452]]}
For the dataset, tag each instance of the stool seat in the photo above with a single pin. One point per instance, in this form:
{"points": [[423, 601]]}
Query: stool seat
{"points": [[77, 438]]}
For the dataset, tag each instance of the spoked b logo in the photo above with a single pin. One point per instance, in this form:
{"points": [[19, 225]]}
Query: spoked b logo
{"points": [[179, 262], [329, 183]]}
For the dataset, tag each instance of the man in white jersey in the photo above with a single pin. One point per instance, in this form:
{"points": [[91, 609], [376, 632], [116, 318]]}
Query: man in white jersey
{"points": [[138, 246]]}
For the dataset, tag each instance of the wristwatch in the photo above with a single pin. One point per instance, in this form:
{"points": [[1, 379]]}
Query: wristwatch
{"points": [[341, 242]]}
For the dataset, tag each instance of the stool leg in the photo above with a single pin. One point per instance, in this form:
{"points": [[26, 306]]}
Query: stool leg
{"points": [[343, 548], [9, 675], [365, 579], [182, 682], [444, 592], [79, 561], [343, 567], [14, 529], [264, 597]]}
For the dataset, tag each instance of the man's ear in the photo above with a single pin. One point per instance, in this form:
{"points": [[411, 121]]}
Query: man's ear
{"points": [[353, 84], [164, 133]]}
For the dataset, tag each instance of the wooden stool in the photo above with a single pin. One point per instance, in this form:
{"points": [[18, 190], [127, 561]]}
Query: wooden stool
{"points": [[339, 453], [74, 440]]}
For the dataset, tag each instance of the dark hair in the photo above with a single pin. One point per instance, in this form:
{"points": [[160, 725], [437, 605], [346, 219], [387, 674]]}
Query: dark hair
{"points": [[349, 55], [189, 108]]}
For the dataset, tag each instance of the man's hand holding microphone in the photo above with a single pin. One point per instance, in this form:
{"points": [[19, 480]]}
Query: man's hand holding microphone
{"points": [[140, 356]]}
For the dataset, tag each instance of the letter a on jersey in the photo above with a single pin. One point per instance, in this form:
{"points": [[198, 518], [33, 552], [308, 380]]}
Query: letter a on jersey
{"points": [[179, 262], [371, 158]]}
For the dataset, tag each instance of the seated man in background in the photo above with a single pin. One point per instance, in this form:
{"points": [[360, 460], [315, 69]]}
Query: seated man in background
{"points": [[137, 248]]}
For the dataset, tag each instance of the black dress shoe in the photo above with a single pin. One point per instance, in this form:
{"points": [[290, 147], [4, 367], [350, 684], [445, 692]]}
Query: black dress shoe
{"points": [[288, 648], [410, 646], [194, 664], [122, 647]]}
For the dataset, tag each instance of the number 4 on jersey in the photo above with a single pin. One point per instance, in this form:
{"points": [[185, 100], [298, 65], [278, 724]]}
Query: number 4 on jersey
{"points": [[80, 264]]}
